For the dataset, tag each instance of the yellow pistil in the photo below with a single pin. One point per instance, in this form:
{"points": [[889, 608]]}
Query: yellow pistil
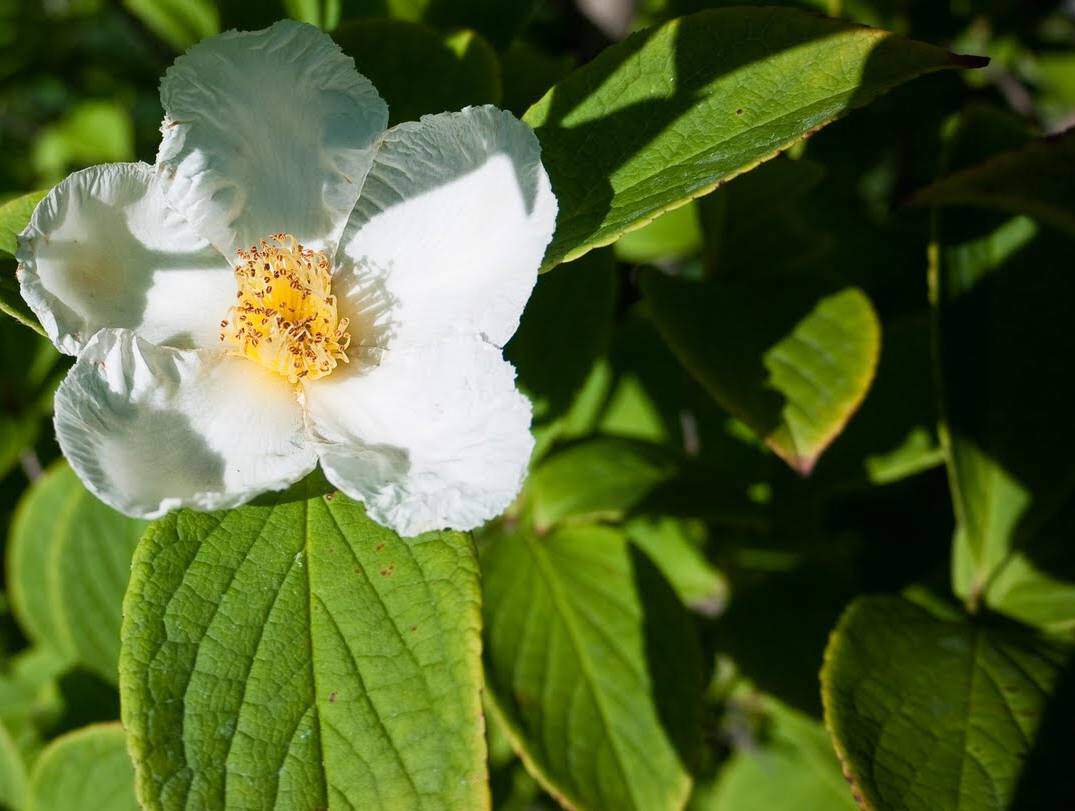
{"points": [[285, 317]]}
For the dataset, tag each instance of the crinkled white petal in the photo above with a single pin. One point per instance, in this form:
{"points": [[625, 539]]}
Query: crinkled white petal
{"points": [[104, 249], [455, 217], [149, 429], [433, 437], [268, 131]]}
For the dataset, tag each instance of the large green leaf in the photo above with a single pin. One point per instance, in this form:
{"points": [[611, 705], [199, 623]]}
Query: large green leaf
{"points": [[791, 356], [88, 768], [69, 561], [418, 70], [790, 766], [1038, 181], [932, 713], [671, 112], [1002, 290], [294, 653], [593, 664]]}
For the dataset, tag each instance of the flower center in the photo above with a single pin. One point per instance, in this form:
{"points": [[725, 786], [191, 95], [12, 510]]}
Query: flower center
{"points": [[285, 317]]}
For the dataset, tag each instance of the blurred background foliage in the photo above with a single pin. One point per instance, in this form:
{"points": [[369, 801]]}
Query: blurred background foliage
{"points": [[629, 442]]}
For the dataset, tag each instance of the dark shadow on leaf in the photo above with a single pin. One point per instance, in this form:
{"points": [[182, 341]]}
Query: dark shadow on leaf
{"points": [[1005, 349], [671, 649], [1045, 782]]}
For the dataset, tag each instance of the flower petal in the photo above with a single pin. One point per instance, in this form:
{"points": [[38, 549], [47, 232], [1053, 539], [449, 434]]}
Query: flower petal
{"points": [[268, 131], [455, 215], [104, 249], [149, 429], [432, 437]]}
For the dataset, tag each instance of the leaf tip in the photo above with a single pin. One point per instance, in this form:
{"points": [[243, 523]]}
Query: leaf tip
{"points": [[970, 61]]}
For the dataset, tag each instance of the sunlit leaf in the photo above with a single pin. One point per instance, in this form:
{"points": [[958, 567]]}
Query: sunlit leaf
{"points": [[790, 356], [14, 217], [294, 653], [671, 112], [593, 664]]}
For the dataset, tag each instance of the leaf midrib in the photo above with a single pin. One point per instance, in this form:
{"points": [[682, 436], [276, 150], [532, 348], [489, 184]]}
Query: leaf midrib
{"points": [[542, 566]]}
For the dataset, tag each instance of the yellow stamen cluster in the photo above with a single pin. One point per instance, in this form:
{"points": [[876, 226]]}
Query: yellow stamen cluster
{"points": [[285, 317]]}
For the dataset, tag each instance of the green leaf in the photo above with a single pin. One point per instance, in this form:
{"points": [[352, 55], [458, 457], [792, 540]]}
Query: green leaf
{"points": [[15, 216], [294, 653], [325, 14], [418, 70], [593, 665], [934, 714], [994, 277], [29, 698], [13, 777], [792, 357], [894, 434], [677, 547], [180, 23], [791, 767], [88, 768], [674, 235], [28, 373], [671, 112], [68, 566], [1038, 181]]}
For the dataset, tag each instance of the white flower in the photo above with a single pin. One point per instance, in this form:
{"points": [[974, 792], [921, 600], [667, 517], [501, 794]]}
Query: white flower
{"points": [[291, 284]]}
